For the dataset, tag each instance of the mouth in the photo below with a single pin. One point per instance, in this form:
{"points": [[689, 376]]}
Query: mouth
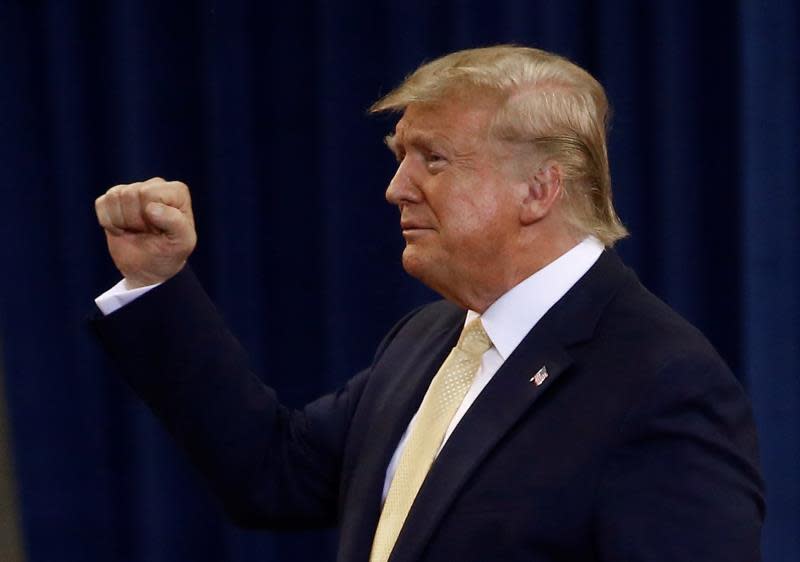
{"points": [[409, 226], [412, 230], [416, 234]]}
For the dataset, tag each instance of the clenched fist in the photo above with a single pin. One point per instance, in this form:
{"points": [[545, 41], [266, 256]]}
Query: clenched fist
{"points": [[149, 229]]}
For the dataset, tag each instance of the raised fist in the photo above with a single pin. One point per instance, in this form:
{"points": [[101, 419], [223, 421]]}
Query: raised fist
{"points": [[149, 229]]}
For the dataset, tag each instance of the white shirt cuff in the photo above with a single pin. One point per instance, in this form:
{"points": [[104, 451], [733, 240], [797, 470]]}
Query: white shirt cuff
{"points": [[119, 295]]}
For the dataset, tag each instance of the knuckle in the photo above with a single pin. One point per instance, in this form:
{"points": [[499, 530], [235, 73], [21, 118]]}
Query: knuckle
{"points": [[147, 195], [179, 187], [113, 193], [149, 189], [129, 195]]}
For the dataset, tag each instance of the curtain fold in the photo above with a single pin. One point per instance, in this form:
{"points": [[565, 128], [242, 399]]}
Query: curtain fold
{"points": [[769, 243], [261, 108]]}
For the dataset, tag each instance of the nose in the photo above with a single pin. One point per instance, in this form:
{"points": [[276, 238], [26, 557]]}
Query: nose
{"points": [[403, 188]]}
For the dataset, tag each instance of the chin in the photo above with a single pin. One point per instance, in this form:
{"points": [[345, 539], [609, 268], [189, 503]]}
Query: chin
{"points": [[416, 263], [423, 267]]}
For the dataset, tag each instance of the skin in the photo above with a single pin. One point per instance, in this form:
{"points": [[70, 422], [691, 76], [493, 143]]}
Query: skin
{"points": [[476, 221], [149, 229], [475, 224]]}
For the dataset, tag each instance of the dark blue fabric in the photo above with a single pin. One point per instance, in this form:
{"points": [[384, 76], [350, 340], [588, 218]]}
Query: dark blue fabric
{"points": [[639, 445], [260, 108]]}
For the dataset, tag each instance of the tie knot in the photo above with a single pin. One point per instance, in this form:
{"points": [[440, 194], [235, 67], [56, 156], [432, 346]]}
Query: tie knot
{"points": [[474, 339]]}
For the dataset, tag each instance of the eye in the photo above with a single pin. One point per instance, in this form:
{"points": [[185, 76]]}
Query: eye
{"points": [[434, 162]]}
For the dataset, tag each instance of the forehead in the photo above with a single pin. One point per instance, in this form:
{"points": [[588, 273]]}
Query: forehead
{"points": [[457, 119]]}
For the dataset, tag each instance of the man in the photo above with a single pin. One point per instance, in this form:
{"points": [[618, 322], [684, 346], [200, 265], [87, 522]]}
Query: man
{"points": [[550, 409]]}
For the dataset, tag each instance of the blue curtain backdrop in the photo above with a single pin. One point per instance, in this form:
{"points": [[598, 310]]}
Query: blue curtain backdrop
{"points": [[260, 107]]}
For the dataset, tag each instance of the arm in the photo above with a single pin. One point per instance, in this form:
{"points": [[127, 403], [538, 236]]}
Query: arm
{"points": [[271, 466], [683, 483]]}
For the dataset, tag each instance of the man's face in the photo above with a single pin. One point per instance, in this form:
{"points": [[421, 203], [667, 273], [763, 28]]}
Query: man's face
{"points": [[458, 204]]}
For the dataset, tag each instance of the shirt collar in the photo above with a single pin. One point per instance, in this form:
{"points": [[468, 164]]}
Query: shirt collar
{"points": [[509, 319]]}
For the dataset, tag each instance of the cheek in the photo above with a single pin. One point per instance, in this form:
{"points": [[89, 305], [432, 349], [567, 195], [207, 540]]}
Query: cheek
{"points": [[478, 216]]}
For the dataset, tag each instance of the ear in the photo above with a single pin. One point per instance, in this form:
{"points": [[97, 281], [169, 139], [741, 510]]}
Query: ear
{"points": [[543, 190]]}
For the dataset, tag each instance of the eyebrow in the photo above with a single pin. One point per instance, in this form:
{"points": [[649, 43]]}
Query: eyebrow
{"points": [[419, 139], [390, 142]]}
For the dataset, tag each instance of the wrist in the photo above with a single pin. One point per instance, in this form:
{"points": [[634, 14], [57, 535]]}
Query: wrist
{"points": [[141, 279]]}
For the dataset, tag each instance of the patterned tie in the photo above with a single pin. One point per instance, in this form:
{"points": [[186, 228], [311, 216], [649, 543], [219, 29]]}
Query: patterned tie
{"points": [[444, 396]]}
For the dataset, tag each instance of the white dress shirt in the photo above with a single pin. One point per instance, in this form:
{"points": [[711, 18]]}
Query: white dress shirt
{"points": [[507, 321], [119, 295]]}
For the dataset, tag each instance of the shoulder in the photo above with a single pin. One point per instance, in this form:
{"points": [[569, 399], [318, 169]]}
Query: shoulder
{"points": [[644, 327], [634, 342]]}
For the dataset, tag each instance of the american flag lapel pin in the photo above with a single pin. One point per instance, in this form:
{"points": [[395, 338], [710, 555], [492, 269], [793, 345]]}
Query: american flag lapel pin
{"points": [[540, 376]]}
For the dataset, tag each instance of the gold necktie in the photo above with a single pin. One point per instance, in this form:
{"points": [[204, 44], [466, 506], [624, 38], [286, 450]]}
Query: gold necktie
{"points": [[444, 396]]}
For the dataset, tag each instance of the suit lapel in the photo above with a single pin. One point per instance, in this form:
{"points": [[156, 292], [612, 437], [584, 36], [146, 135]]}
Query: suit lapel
{"points": [[507, 397], [396, 402], [483, 425]]}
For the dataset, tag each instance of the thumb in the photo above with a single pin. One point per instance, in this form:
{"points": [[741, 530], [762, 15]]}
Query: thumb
{"points": [[167, 219]]}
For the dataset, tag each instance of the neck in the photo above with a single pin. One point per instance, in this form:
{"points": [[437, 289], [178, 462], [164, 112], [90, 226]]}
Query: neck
{"points": [[499, 278]]}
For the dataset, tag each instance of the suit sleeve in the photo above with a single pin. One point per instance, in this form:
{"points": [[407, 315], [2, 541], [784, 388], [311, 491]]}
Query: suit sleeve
{"points": [[683, 483], [271, 466]]}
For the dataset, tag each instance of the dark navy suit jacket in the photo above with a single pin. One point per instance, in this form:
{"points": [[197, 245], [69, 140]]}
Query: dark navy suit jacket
{"points": [[639, 446]]}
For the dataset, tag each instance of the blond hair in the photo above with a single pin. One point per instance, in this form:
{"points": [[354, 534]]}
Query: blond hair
{"points": [[547, 103]]}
